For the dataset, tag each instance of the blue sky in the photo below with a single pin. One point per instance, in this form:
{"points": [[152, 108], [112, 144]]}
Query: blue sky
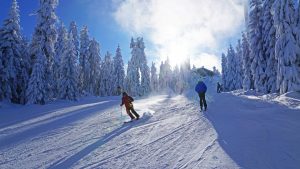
{"points": [[101, 24], [197, 29]]}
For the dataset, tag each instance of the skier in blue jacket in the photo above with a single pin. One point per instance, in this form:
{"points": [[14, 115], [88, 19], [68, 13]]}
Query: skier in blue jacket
{"points": [[201, 90]]}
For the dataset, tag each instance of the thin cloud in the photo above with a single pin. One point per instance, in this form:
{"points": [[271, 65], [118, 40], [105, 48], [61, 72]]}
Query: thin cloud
{"points": [[182, 28]]}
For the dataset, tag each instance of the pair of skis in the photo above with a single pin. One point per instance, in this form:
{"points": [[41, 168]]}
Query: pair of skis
{"points": [[130, 121]]}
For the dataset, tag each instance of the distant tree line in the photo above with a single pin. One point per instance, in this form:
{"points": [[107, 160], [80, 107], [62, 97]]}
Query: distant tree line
{"points": [[62, 63]]}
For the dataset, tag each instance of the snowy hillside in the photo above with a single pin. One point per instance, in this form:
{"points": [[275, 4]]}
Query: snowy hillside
{"points": [[237, 131]]}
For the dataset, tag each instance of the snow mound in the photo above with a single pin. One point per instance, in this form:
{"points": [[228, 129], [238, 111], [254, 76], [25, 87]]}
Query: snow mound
{"points": [[148, 113], [290, 99]]}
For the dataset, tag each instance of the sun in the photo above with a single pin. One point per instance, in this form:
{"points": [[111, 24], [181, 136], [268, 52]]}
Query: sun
{"points": [[177, 55]]}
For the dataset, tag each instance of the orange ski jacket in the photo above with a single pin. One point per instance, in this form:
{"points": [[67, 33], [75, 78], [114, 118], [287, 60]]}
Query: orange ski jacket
{"points": [[127, 100]]}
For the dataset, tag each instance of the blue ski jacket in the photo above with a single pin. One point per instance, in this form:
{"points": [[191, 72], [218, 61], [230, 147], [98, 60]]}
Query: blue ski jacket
{"points": [[200, 87]]}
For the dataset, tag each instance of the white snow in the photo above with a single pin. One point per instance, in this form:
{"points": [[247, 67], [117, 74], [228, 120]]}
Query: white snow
{"points": [[237, 131]]}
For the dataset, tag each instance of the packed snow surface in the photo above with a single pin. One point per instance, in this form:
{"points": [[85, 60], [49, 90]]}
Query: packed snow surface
{"points": [[237, 131]]}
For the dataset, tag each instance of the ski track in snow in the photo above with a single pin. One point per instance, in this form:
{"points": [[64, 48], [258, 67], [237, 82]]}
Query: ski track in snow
{"points": [[235, 132]]}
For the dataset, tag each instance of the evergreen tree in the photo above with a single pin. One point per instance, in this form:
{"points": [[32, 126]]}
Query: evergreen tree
{"points": [[119, 72], [286, 49], [44, 38], [83, 60], [129, 77], [224, 71], [11, 56], [168, 72], [247, 80], [165, 75], [185, 73], [154, 79], [3, 77], [176, 80], [297, 32], [60, 52], [138, 72], [231, 69], [68, 71], [37, 86], [74, 32], [94, 61], [239, 66], [144, 68], [269, 39], [298, 24], [258, 64], [161, 77], [133, 71], [107, 76], [75, 37], [25, 68]]}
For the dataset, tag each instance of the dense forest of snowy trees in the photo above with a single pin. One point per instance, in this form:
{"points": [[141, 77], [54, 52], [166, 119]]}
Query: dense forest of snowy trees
{"points": [[269, 53], [64, 63]]}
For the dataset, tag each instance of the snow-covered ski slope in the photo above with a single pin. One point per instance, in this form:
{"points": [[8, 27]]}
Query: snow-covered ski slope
{"points": [[237, 131]]}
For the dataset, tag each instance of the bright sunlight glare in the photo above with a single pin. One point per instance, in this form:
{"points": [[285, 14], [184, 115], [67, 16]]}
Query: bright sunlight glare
{"points": [[179, 29]]}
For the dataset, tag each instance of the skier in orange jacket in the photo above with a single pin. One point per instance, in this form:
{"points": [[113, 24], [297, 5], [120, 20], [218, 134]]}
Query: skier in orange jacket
{"points": [[127, 100]]}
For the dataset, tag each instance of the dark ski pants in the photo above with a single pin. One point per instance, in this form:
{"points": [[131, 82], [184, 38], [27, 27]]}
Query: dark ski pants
{"points": [[202, 101], [131, 112]]}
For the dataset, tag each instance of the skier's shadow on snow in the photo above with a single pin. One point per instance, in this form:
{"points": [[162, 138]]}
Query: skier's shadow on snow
{"points": [[67, 163]]}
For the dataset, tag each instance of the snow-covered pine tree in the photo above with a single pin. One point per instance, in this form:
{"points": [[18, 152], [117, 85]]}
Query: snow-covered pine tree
{"points": [[161, 76], [185, 72], [269, 39], [165, 75], [286, 48], [37, 86], [128, 77], [133, 71], [25, 68], [94, 71], [224, 71], [247, 80], [145, 80], [144, 68], [239, 66], [68, 75], [154, 79], [44, 38], [2, 75], [297, 32], [74, 32], [138, 72], [176, 82], [11, 49], [107, 76], [118, 72], [60, 52], [83, 60], [258, 65], [231, 69], [168, 73]]}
